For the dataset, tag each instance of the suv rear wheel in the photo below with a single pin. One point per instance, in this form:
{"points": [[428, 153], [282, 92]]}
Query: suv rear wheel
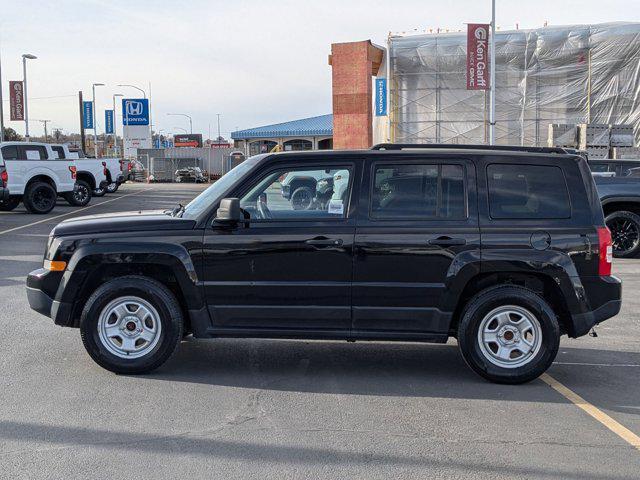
{"points": [[625, 233], [131, 325], [39, 197], [508, 334], [112, 187]]}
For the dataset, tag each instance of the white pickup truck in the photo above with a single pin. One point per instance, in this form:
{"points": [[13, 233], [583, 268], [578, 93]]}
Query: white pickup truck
{"points": [[34, 177], [91, 175], [114, 172]]}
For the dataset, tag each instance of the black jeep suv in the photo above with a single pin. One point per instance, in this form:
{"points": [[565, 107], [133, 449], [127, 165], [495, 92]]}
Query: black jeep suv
{"points": [[505, 249]]}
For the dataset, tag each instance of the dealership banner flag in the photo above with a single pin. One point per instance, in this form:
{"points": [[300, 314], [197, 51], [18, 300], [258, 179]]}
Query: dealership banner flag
{"points": [[16, 100], [108, 122], [478, 56], [87, 115]]}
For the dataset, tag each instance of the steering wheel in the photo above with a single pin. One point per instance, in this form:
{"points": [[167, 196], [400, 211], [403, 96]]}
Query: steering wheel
{"points": [[263, 210]]}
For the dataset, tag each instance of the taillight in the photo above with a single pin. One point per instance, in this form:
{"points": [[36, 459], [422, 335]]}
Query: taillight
{"points": [[4, 177], [73, 170], [129, 166], [605, 249], [104, 168]]}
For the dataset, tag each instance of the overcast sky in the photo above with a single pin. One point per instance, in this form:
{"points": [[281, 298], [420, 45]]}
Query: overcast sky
{"points": [[255, 62]]}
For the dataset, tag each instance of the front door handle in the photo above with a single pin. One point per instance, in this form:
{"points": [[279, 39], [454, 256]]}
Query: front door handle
{"points": [[447, 241], [324, 242]]}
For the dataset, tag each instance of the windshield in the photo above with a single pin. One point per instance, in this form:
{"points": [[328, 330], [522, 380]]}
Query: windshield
{"points": [[213, 194]]}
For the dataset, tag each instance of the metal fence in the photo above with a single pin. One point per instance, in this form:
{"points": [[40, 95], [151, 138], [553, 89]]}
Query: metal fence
{"points": [[162, 163]]}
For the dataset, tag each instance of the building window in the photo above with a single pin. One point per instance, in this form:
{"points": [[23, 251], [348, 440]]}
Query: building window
{"points": [[261, 146], [297, 145]]}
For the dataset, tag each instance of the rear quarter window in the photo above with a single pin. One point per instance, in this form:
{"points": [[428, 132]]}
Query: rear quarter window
{"points": [[527, 192]]}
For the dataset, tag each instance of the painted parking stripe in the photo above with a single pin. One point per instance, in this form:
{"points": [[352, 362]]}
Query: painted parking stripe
{"points": [[70, 213], [617, 428]]}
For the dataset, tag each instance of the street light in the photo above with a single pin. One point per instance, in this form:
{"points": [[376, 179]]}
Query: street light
{"points": [[184, 115], [144, 94], [180, 128], [25, 57], [115, 131], [95, 123]]}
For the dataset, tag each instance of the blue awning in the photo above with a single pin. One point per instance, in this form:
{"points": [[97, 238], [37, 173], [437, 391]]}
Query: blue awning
{"points": [[306, 127]]}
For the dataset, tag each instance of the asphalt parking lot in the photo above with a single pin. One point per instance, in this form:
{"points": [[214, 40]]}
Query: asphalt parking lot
{"points": [[287, 409]]}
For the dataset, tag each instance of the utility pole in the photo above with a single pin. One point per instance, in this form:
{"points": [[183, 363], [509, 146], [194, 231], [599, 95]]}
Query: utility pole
{"points": [[492, 76], [44, 122]]}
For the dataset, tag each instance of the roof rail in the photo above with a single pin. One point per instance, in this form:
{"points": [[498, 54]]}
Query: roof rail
{"points": [[436, 146]]}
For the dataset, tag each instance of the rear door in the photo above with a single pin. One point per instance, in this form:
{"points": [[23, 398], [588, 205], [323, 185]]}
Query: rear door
{"points": [[418, 217]]}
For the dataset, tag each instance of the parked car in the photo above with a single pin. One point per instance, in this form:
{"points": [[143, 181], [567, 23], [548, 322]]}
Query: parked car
{"points": [[4, 178], [301, 189], [620, 197], [190, 175], [505, 249], [114, 172], [91, 178], [617, 168], [35, 177], [135, 171]]}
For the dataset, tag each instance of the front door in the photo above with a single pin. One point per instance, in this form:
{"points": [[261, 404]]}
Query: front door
{"points": [[288, 269], [418, 220]]}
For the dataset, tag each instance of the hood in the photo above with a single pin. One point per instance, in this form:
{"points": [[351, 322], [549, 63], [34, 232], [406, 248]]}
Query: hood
{"points": [[152, 220]]}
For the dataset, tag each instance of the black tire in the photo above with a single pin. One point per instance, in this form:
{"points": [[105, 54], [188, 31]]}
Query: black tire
{"points": [[10, 204], [99, 192], [625, 233], [486, 302], [302, 198], [81, 195], [153, 292], [39, 197], [112, 187]]}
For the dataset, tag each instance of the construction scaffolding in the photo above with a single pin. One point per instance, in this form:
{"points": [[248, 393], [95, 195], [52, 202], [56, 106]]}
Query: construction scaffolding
{"points": [[552, 75]]}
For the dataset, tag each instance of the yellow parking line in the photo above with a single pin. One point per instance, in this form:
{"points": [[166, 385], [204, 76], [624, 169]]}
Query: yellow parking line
{"points": [[620, 430]]}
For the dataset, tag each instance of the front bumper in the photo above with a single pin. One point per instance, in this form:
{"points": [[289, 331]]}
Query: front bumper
{"points": [[41, 287]]}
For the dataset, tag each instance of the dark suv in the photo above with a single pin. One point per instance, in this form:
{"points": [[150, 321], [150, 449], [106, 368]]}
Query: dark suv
{"points": [[505, 249]]}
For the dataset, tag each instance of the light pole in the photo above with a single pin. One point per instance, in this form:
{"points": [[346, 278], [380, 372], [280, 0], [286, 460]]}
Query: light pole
{"points": [[144, 94], [185, 115], [115, 130], [492, 76], [25, 57], [95, 122]]}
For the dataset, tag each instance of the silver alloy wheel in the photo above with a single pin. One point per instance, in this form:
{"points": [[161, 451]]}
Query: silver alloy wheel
{"points": [[510, 336], [129, 327]]}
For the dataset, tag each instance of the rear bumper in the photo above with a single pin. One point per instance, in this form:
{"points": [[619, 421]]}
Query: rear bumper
{"points": [[605, 299], [103, 184], [4, 194], [120, 179]]}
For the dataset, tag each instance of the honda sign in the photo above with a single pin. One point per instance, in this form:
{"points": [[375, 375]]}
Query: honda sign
{"points": [[135, 111]]}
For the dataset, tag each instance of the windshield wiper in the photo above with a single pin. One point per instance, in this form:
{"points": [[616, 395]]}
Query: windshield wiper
{"points": [[177, 210]]}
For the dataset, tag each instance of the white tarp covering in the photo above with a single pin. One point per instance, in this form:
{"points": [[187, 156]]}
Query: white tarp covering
{"points": [[570, 74]]}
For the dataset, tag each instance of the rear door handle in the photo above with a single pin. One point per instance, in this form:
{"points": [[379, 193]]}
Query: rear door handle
{"points": [[447, 241], [324, 242]]}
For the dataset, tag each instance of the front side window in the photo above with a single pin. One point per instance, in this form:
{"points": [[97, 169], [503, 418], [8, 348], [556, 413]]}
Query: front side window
{"points": [[419, 191], [527, 192], [300, 194]]}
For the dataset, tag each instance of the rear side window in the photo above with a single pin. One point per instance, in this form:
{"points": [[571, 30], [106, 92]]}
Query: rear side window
{"points": [[419, 191], [10, 152], [527, 192], [59, 151], [34, 152]]}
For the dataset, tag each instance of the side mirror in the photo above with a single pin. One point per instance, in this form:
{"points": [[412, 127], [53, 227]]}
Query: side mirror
{"points": [[229, 211]]}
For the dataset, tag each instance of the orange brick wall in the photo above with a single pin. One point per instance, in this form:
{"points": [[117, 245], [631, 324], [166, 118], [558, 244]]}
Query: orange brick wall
{"points": [[353, 64]]}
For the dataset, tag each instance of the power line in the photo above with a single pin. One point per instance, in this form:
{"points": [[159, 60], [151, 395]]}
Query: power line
{"points": [[47, 98]]}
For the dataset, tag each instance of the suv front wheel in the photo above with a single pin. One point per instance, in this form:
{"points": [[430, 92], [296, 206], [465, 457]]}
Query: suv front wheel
{"points": [[508, 334], [131, 325]]}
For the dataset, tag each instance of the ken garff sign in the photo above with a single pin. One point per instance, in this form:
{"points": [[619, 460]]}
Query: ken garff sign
{"points": [[108, 122], [478, 56], [135, 111], [87, 115], [381, 97]]}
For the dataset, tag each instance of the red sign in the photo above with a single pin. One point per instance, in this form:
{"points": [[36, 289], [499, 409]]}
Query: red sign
{"points": [[478, 56], [16, 100]]}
